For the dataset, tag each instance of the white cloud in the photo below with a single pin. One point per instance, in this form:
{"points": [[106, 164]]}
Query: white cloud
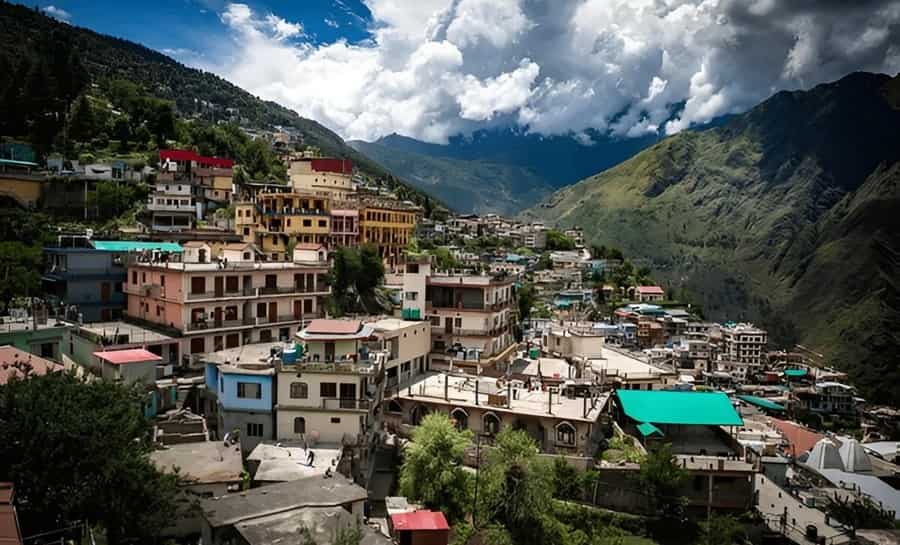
{"points": [[331, 22], [58, 13], [434, 68], [181, 52]]}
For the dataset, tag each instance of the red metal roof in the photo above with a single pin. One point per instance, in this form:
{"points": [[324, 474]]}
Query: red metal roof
{"points": [[339, 327], [188, 155], [801, 439], [9, 525], [651, 290], [341, 166], [420, 520], [15, 362], [132, 355]]}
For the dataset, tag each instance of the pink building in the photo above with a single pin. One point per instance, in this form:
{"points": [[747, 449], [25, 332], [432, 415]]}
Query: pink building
{"points": [[648, 294], [344, 227], [216, 304]]}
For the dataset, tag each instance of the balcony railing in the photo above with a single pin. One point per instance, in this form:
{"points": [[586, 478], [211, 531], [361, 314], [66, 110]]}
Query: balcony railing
{"points": [[279, 290], [248, 292], [349, 404], [468, 306], [256, 292], [219, 324], [288, 211]]}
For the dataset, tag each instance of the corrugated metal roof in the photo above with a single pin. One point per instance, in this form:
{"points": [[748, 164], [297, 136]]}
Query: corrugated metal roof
{"points": [[135, 246], [761, 402], [420, 520], [673, 407], [647, 429], [133, 355]]}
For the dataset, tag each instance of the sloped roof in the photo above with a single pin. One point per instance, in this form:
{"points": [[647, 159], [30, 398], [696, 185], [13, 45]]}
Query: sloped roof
{"points": [[650, 290], [825, 456], [673, 407], [15, 362], [801, 439], [132, 355], [648, 429], [761, 402], [420, 520], [854, 457]]}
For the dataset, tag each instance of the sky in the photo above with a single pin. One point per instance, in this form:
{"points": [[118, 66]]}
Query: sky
{"points": [[432, 69]]}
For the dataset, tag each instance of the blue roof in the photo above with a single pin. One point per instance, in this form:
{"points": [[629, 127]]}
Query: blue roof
{"points": [[647, 429], [135, 246], [761, 402], [17, 163], [795, 372]]}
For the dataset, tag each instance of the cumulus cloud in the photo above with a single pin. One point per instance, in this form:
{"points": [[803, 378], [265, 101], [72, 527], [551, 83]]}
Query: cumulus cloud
{"points": [[58, 13], [434, 68]]}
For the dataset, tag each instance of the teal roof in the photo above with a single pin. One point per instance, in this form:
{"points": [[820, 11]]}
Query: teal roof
{"points": [[674, 407], [795, 372], [135, 246], [18, 163], [761, 402], [647, 429]]}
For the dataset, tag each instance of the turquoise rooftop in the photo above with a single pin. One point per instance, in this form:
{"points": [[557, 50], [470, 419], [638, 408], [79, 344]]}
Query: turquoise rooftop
{"points": [[673, 407], [135, 246], [761, 402]]}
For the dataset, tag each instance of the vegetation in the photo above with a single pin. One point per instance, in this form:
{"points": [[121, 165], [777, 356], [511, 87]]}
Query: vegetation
{"points": [[858, 512], [661, 477], [432, 470], [556, 240], [23, 236], [77, 452], [752, 218], [354, 277], [526, 300]]}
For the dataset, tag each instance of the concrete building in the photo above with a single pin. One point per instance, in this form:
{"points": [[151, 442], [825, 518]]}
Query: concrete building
{"points": [[240, 386], [42, 336], [422, 527], [276, 221], [471, 316], [649, 294], [16, 365], [405, 345], [333, 177], [743, 350], [185, 184], [344, 227], [85, 339], [573, 341], [825, 397], [134, 365], [279, 513], [234, 300], [389, 225], [559, 424], [90, 278]]}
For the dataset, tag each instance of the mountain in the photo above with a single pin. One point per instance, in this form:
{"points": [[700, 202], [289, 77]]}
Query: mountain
{"points": [[786, 215], [23, 29], [464, 185], [499, 170]]}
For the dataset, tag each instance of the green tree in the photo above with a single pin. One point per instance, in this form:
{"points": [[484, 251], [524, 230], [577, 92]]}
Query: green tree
{"points": [[721, 530], [122, 132], [526, 299], [77, 451], [432, 470], [556, 240], [661, 477], [858, 512], [567, 483], [82, 126], [544, 263], [20, 269], [162, 122]]}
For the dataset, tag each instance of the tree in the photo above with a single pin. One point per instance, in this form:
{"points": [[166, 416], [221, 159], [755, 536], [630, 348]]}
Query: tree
{"points": [[432, 470], [526, 301], [661, 477], [122, 132], [20, 266], [858, 512], [567, 484], [77, 451], [544, 263], [162, 122], [82, 126], [556, 240], [721, 530]]}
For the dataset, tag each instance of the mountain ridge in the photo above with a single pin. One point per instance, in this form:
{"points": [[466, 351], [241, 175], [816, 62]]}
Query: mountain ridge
{"points": [[756, 217]]}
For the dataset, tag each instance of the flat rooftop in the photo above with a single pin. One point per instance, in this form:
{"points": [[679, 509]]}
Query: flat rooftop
{"points": [[461, 393], [256, 353], [282, 461], [202, 462], [623, 365], [277, 498], [232, 266], [392, 324], [8, 325], [135, 333], [546, 367]]}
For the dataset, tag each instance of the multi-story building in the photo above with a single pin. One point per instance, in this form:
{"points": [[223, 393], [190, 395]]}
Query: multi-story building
{"points": [[88, 279], [185, 182], [387, 224], [226, 302], [471, 316], [825, 397], [577, 235], [573, 341], [743, 349], [344, 227], [277, 221], [330, 176]]}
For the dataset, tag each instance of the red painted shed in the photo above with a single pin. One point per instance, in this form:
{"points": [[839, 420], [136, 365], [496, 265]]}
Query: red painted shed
{"points": [[421, 528]]}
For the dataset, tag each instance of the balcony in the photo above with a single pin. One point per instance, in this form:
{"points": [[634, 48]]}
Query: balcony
{"points": [[346, 404], [226, 294], [484, 307], [208, 325], [257, 292], [187, 208], [291, 290], [288, 211]]}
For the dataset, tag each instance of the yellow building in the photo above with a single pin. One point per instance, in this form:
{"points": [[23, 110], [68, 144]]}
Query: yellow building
{"points": [[332, 176], [276, 221], [388, 225], [216, 183]]}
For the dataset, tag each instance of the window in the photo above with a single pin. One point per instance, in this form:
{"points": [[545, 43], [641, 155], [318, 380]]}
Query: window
{"points": [[335, 420], [249, 390], [307, 223], [299, 390], [328, 389], [118, 287], [460, 419], [410, 296], [198, 284], [162, 280], [246, 233], [565, 434], [435, 320], [254, 429], [299, 425], [46, 350], [490, 424], [323, 223], [134, 277], [394, 407], [198, 345], [457, 322]]}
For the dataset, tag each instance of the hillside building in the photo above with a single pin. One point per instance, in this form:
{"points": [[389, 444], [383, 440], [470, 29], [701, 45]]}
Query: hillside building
{"points": [[332, 177], [275, 222]]}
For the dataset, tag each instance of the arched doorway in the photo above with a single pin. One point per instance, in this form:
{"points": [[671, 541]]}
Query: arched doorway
{"points": [[460, 418]]}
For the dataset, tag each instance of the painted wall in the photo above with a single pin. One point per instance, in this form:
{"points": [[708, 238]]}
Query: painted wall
{"points": [[316, 349], [228, 386], [27, 192], [31, 340], [321, 422], [230, 420], [314, 382]]}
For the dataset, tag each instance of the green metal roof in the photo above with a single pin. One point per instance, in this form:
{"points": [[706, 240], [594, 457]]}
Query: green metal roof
{"points": [[18, 163], [761, 402], [135, 246], [647, 429], [674, 407], [795, 372]]}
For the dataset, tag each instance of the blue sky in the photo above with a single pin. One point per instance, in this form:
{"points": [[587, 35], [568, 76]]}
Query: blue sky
{"points": [[432, 69], [180, 26]]}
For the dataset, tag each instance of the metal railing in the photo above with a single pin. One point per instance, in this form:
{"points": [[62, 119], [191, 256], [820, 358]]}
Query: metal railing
{"points": [[219, 324]]}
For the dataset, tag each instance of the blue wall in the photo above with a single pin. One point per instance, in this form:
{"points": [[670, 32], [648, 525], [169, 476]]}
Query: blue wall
{"points": [[228, 393], [212, 377]]}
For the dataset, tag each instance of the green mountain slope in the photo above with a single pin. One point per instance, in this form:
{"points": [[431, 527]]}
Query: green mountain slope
{"points": [[22, 29], [464, 185], [786, 216]]}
